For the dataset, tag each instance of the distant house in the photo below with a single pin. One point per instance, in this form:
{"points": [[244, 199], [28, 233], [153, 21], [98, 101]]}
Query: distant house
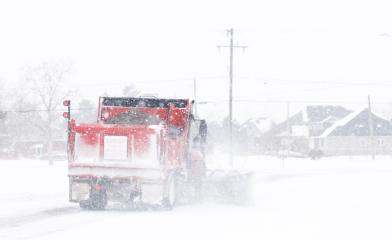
{"points": [[296, 132], [351, 136], [311, 121], [256, 127], [252, 131], [332, 130]]}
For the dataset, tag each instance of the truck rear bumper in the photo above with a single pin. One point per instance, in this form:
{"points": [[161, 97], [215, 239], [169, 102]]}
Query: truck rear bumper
{"points": [[119, 184]]}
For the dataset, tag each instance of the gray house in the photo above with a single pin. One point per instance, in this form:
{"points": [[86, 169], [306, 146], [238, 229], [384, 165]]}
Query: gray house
{"points": [[330, 130], [351, 136], [298, 133]]}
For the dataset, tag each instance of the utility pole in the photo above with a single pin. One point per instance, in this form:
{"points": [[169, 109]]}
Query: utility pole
{"points": [[230, 33], [194, 95], [371, 131]]}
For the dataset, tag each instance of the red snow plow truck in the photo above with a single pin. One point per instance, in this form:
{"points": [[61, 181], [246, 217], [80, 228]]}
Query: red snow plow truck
{"points": [[141, 152]]}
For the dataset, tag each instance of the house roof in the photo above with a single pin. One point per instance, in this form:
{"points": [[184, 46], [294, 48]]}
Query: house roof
{"points": [[340, 123], [318, 113], [357, 124], [323, 114], [261, 125]]}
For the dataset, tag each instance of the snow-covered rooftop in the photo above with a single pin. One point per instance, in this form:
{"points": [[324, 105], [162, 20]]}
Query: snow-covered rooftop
{"points": [[262, 124], [341, 123]]}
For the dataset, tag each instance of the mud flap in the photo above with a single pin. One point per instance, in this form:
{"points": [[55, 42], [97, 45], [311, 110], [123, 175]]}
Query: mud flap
{"points": [[97, 201]]}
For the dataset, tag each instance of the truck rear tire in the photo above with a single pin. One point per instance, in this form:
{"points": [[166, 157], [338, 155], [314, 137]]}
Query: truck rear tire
{"points": [[170, 197], [97, 201]]}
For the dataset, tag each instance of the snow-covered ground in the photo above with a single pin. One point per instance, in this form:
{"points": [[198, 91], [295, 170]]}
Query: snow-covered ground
{"points": [[332, 198]]}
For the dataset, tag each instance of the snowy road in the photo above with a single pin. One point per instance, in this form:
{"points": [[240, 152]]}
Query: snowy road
{"points": [[326, 199]]}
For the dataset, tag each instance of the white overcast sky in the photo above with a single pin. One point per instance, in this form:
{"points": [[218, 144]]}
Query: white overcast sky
{"points": [[307, 50]]}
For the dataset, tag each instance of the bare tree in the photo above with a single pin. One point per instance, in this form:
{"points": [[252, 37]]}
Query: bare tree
{"points": [[21, 120], [48, 92]]}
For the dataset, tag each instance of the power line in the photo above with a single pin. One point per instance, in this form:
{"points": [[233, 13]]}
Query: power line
{"points": [[291, 101], [188, 81], [219, 101], [294, 82], [45, 110]]}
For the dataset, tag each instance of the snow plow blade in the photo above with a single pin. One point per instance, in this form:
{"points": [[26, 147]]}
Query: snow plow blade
{"points": [[228, 187]]}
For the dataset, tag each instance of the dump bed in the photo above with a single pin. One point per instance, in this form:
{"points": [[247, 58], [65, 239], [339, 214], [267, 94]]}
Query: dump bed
{"points": [[131, 133]]}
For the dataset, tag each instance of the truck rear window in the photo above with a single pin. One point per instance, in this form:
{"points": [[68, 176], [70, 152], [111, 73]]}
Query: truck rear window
{"points": [[135, 117], [144, 102]]}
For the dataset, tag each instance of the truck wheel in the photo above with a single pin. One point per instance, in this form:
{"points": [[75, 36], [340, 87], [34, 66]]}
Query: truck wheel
{"points": [[170, 198], [97, 201], [86, 205]]}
